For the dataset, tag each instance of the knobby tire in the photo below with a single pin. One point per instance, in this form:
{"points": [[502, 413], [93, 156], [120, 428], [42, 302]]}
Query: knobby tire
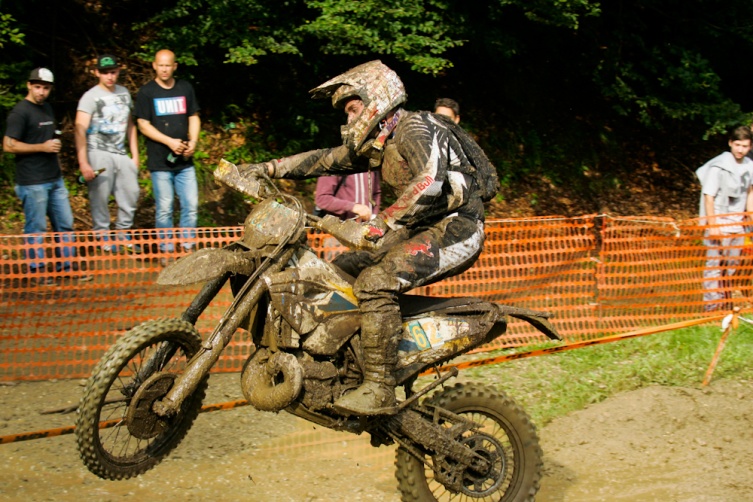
{"points": [[503, 419], [115, 452]]}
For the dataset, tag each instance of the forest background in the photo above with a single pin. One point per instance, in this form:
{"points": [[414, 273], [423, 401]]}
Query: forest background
{"points": [[584, 107]]}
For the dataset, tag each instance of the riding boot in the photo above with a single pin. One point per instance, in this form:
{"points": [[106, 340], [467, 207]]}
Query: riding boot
{"points": [[380, 332]]}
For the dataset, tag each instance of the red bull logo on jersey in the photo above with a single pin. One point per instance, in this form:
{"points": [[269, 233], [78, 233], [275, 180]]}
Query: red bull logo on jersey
{"points": [[424, 248], [407, 200]]}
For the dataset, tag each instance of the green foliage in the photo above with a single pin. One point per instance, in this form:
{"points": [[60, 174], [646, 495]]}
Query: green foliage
{"points": [[554, 385], [414, 31], [9, 32], [672, 83], [565, 92], [245, 30], [661, 66], [563, 13]]}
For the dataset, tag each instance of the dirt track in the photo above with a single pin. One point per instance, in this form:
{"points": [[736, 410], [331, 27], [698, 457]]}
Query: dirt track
{"points": [[656, 443]]}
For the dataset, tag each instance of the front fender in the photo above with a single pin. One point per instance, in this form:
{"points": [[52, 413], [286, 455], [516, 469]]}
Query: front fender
{"points": [[207, 264]]}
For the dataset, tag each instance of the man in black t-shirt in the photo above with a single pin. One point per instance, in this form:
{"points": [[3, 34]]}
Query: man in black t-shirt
{"points": [[168, 115], [31, 135]]}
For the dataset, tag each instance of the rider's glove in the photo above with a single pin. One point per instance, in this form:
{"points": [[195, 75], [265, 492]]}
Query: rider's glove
{"points": [[374, 229], [265, 169]]}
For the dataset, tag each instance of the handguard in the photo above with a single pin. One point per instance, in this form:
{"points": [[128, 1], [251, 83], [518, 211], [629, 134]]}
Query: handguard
{"points": [[252, 182], [351, 233]]}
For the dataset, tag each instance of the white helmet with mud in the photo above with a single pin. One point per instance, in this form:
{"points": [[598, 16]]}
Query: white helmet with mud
{"points": [[380, 89]]}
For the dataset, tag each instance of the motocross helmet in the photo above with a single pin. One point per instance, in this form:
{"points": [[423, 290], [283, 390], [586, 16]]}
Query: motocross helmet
{"points": [[380, 89]]}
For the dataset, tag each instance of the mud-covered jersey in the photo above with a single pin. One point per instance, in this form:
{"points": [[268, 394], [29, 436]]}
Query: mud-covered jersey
{"points": [[422, 163]]}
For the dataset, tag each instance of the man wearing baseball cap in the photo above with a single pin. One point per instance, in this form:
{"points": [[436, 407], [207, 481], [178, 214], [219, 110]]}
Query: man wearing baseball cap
{"points": [[31, 134], [103, 126]]}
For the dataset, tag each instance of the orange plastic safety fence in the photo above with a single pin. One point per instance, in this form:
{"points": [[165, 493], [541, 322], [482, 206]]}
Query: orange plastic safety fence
{"points": [[599, 275]]}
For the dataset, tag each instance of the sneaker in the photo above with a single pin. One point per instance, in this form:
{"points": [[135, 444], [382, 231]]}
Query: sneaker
{"points": [[84, 278], [47, 281]]}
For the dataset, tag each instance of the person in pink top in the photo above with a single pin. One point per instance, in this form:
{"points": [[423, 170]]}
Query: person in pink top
{"points": [[349, 196]]}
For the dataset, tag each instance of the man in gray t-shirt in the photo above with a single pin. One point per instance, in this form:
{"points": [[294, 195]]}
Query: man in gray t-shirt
{"points": [[103, 126], [726, 194]]}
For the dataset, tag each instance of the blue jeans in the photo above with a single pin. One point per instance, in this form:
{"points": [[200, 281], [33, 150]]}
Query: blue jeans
{"points": [[42, 201], [166, 185]]}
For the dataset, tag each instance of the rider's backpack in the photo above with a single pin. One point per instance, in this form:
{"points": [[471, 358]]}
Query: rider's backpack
{"points": [[486, 173]]}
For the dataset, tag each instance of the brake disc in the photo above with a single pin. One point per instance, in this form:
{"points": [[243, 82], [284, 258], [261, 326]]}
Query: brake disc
{"points": [[141, 420]]}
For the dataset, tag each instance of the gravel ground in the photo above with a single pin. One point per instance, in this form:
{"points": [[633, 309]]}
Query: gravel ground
{"points": [[657, 443]]}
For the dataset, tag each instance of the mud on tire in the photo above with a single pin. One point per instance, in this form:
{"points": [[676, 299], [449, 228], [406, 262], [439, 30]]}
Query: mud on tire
{"points": [[502, 419], [138, 370]]}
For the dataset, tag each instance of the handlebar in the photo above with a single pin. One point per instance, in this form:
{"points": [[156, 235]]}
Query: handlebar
{"points": [[348, 232], [250, 183], [259, 186]]}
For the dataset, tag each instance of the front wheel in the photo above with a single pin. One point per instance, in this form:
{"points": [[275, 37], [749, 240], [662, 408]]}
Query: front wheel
{"points": [[118, 434], [507, 438]]}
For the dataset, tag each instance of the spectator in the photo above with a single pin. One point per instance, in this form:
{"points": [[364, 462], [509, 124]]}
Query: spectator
{"points": [[167, 113], [726, 193], [349, 196], [30, 135], [449, 108], [103, 124]]}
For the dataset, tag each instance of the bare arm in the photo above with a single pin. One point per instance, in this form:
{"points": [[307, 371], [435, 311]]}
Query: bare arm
{"points": [[83, 120], [151, 132], [133, 141], [194, 128], [708, 204], [749, 205], [11, 145]]}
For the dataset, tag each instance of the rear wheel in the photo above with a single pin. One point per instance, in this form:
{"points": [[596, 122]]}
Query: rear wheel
{"points": [[507, 440], [118, 433]]}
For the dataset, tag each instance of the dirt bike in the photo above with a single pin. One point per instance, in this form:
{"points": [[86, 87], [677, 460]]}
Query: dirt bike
{"points": [[465, 441]]}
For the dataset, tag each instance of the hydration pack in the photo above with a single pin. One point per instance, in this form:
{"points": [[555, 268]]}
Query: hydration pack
{"points": [[486, 173]]}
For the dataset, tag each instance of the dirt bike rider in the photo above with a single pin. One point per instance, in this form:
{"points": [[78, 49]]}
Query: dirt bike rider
{"points": [[435, 228]]}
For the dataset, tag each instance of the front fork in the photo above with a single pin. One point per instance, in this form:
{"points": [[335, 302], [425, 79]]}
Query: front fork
{"points": [[200, 365]]}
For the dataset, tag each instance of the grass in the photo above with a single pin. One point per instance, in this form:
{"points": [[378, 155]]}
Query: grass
{"points": [[554, 385]]}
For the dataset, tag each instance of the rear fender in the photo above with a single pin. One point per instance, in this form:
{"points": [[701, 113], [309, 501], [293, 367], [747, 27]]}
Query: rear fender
{"points": [[537, 319]]}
